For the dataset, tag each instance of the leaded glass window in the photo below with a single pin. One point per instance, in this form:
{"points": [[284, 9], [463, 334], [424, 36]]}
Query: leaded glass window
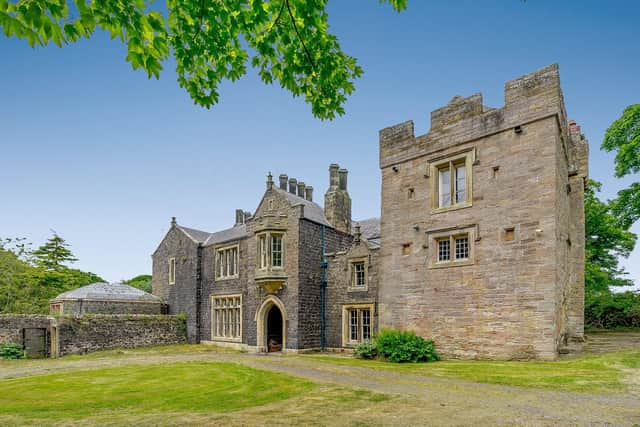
{"points": [[444, 250], [462, 247]]}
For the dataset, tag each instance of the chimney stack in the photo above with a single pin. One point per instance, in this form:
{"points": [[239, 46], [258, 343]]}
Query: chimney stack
{"points": [[247, 216], [239, 217], [334, 179], [283, 181], [293, 185], [309, 193], [337, 203], [301, 188], [343, 178], [573, 127], [269, 181]]}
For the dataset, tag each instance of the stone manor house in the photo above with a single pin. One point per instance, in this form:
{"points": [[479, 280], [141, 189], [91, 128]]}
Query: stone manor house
{"points": [[479, 245]]}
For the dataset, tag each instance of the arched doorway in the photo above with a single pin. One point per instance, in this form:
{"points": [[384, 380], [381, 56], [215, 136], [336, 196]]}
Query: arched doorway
{"points": [[274, 329], [271, 322]]}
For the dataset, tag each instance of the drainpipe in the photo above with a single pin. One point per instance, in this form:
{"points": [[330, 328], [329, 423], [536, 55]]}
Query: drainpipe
{"points": [[323, 290]]}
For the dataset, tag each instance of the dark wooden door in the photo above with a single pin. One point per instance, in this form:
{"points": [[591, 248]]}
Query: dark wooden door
{"points": [[35, 342]]}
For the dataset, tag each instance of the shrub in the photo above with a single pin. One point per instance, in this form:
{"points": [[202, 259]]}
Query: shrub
{"points": [[405, 346], [611, 311], [11, 351], [366, 350]]}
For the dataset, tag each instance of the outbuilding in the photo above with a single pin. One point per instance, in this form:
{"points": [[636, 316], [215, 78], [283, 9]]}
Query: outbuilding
{"points": [[106, 298]]}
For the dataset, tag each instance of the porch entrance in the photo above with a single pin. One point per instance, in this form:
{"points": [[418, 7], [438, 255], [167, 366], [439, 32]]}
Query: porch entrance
{"points": [[274, 329]]}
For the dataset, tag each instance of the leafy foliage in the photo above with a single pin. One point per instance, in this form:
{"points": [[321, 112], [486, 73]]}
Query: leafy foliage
{"points": [[366, 350], [607, 239], [287, 41], [27, 287], [53, 254], [404, 346], [623, 136], [11, 351], [142, 282], [626, 206], [611, 311]]}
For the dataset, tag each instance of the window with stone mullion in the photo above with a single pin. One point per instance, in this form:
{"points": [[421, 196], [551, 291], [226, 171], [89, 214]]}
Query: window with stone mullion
{"points": [[452, 184]]}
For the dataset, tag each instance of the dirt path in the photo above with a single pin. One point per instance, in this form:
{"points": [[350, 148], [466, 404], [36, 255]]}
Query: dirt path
{"points": [[457, 402]]}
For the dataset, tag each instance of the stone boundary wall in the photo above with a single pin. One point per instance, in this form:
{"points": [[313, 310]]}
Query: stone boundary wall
{"points": [[11, 325], [79, 335], [94, 332]]}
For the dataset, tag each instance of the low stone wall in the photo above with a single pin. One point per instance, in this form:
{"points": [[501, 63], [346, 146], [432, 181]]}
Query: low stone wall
{"points": [[11, 325], [78, 335]]}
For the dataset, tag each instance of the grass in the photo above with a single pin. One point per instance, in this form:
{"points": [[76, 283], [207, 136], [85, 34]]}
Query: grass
{"points": [[607, 372], [177, 387], [181, 393]]}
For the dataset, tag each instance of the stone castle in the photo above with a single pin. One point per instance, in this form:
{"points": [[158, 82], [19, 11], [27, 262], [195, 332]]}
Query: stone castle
{"points": [[479, 246]]}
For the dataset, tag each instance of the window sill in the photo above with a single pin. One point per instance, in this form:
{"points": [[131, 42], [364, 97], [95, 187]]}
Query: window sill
{"points": [[357, 289], [452, 208], [448, 264], [225, 339], [222, 279]]}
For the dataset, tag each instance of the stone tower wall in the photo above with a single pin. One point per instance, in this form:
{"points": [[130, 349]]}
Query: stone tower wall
{"points": [[510, 299]]}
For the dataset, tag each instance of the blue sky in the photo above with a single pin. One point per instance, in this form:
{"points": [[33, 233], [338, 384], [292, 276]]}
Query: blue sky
{"points": [[104, 156]]}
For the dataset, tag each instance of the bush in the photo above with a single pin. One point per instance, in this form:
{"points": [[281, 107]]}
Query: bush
{"points": [[606, 310], [11, 351], [366, 350], [398, 347]]}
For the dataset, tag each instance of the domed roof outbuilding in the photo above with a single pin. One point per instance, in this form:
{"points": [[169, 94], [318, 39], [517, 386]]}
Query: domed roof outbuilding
{"points": [[106, 298]]}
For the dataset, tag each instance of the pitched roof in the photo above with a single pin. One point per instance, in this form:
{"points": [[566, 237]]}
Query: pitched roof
{"points": [[312, 211], [233, 233], [196, 235], [109, 292], [370, 231]]}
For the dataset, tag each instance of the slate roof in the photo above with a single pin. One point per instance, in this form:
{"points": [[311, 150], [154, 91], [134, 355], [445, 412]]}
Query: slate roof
{"points": [[233, 233], [312, 211], [370, 230], [197, 235], [109, 292]]}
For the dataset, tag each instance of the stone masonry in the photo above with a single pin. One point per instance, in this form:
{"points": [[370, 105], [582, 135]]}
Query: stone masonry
{"points": [[521, 292], [480, 244]]}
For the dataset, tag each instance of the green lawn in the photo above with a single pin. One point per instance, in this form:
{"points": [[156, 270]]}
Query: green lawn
{"points": [[608, 372], [169, 388]]}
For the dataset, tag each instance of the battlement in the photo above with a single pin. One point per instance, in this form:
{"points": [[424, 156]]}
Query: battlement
{"points": [[527, 98], [545, 81], [457, 109]]}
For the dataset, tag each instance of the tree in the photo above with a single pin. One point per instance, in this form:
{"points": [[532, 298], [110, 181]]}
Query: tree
{"points": [[211, 41], [607, 239], [19, 246], [623, 137], [27, 287], [142, 282], [53, 254]]}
